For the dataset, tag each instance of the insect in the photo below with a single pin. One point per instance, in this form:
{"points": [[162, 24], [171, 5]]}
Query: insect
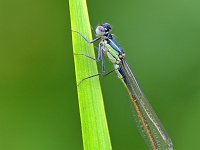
{"points": [[147, 121]]}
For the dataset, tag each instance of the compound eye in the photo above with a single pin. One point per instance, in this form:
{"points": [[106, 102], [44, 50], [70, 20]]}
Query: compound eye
{"points": [[100, 30], [107, 27]]}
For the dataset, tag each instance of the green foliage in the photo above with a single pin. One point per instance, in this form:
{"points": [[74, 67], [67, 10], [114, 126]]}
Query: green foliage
{"points": [[93, 119]]}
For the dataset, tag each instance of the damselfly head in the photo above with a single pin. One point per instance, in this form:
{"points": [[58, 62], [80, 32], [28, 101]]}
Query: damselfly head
{"points": [[103, 29]]}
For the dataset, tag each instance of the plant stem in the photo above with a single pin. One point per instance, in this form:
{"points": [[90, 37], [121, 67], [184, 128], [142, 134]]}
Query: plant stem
{"points": [[95, 132]]}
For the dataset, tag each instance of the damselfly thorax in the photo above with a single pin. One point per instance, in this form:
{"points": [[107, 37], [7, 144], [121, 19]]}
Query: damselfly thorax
{"points": [[112, 54]]}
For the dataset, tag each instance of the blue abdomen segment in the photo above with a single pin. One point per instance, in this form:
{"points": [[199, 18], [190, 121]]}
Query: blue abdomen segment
{"points": [[121, 71]]}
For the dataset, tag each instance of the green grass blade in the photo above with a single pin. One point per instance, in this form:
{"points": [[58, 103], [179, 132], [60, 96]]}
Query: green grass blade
{"points": [[95, 132]]}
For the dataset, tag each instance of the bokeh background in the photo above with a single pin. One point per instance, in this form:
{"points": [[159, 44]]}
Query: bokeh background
{"points": [[38, 101]]}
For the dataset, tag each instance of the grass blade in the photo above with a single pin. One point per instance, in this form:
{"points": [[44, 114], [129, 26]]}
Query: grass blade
{"points": [[95, 132]]}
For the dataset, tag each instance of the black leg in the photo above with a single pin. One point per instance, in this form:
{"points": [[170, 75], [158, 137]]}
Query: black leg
{"points": [[88, 78], [87, 56], [98, 74], [96, 39], [103, 62]]}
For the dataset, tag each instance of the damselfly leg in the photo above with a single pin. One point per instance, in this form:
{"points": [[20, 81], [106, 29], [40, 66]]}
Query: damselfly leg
{"points": [[93, 41], [95, 75], [99, 57]]}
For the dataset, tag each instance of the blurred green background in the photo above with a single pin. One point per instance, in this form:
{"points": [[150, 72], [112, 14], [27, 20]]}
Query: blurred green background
{"points": [[38, 101]]}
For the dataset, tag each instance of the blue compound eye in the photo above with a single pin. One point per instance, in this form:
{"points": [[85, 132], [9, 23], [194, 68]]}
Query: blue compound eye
{"points": [[107, 27]]}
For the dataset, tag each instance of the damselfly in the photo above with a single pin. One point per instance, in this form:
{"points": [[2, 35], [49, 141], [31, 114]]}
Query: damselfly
{"points": [[147, 121]]}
